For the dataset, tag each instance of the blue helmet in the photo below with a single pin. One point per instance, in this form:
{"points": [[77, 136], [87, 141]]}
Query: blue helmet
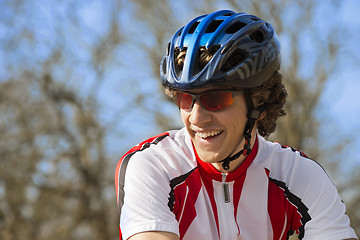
{"points": [[247, 52]]}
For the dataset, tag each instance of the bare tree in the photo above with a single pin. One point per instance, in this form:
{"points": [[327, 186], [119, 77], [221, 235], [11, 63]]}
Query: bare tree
{"points": [[296, 22], [56, 178], [58, 121]]}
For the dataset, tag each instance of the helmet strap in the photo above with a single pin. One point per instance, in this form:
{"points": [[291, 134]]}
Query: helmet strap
{"points": [[253, 115]]}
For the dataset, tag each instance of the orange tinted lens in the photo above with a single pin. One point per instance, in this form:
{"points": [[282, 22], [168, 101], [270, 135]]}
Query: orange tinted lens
{"points": [[183, 100], [214, 101]]}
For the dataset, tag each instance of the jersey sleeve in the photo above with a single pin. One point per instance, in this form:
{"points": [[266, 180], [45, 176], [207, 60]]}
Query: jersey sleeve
{"points": [[327, 211], [145, 197]]}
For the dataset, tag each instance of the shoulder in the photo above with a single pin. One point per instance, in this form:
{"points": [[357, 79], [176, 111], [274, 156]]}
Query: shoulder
{"points": [[166, 148], [285, 162], [168, 153], [161, 143], [306, 184], [142, 181], [300, 174]]}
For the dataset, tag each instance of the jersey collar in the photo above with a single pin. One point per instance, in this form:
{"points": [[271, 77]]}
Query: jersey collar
{"points": [[209, 170]]}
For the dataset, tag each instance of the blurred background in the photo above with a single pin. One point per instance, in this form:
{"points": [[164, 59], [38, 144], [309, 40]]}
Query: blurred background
{"points": [[79, 86]]}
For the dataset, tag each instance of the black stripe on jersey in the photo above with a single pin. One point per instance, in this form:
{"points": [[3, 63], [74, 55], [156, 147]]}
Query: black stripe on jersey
{"points": [[124, 164], [296, 150], [173, 183], [305, 156], [295, 200]]}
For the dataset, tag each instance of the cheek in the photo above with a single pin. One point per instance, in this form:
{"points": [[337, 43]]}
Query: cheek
{"points": [[184, 117], [241, 109], [234, 122], [236, 116]]}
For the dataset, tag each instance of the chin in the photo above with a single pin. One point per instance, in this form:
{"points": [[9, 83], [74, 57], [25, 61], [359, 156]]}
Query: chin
{"points": [[209, 157]]}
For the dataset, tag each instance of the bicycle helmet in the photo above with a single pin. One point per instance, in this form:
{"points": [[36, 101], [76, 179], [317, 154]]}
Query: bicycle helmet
{"points": [[246, 53], [250, 40]]}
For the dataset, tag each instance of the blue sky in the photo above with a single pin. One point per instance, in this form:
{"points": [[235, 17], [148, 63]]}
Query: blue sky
{"points": [[339, 103], [345, 89], [339, 106], [342, 95], [336, 101]]}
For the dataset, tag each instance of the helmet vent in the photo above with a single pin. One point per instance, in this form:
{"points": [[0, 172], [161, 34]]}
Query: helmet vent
{"points": [[233, 28], [228, 14], [213, 26], [193, 27], [179, 58], [257, 36], [205, 55], [164, 70], [168, 49], [180, 32], [236, 57]]}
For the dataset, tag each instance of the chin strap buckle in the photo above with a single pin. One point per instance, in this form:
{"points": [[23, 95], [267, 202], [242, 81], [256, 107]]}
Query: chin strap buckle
{"points": [[225, 165], [247, 144], [247, 148]]}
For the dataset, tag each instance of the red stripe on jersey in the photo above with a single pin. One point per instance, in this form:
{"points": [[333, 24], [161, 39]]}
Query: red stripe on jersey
{"points": [[238, 186], [208, 174], [286, 211], [186, 194], [277, 211], [239, 175], [210, 192]]}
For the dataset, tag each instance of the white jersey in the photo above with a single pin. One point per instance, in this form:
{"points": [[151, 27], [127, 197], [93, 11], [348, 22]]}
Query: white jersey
{"points": [[162, 185]]}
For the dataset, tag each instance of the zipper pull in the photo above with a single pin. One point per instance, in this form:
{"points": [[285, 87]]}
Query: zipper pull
{"points": [[225, 188]]}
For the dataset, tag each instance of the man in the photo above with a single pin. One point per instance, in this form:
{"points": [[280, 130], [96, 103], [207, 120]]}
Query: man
{"points": [[218, 178]]}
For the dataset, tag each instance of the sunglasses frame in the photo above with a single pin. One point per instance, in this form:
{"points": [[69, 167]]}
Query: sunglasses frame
{"points": [[196, 97]]}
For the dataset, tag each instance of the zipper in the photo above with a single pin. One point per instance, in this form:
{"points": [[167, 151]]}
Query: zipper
{"points": [[225, 188]]}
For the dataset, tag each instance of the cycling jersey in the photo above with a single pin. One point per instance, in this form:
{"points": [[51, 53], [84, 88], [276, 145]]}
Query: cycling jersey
{"points": [[162, 185]]}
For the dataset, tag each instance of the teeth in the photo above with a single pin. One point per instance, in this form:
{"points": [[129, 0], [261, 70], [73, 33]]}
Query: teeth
{"points": [[208, 134]]}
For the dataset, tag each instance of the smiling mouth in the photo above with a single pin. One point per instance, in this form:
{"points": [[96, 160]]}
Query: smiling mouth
{"points": [[205, 135]]}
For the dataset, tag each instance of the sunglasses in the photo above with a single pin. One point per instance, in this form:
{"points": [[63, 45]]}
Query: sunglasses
{"points": [[211, 101]]}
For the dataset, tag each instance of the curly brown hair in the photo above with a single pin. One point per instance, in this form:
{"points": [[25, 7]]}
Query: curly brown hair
{"points": [[272, 92]]}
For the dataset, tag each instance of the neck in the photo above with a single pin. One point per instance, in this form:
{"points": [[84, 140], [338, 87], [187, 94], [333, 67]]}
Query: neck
{"points": [[233, 165]]}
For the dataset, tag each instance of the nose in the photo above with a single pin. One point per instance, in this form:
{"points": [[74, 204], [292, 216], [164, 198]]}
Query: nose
{"points": [[199, 115]]}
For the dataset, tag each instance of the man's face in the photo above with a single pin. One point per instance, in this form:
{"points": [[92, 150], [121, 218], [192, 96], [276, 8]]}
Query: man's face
{"points": [[216, 135]]}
